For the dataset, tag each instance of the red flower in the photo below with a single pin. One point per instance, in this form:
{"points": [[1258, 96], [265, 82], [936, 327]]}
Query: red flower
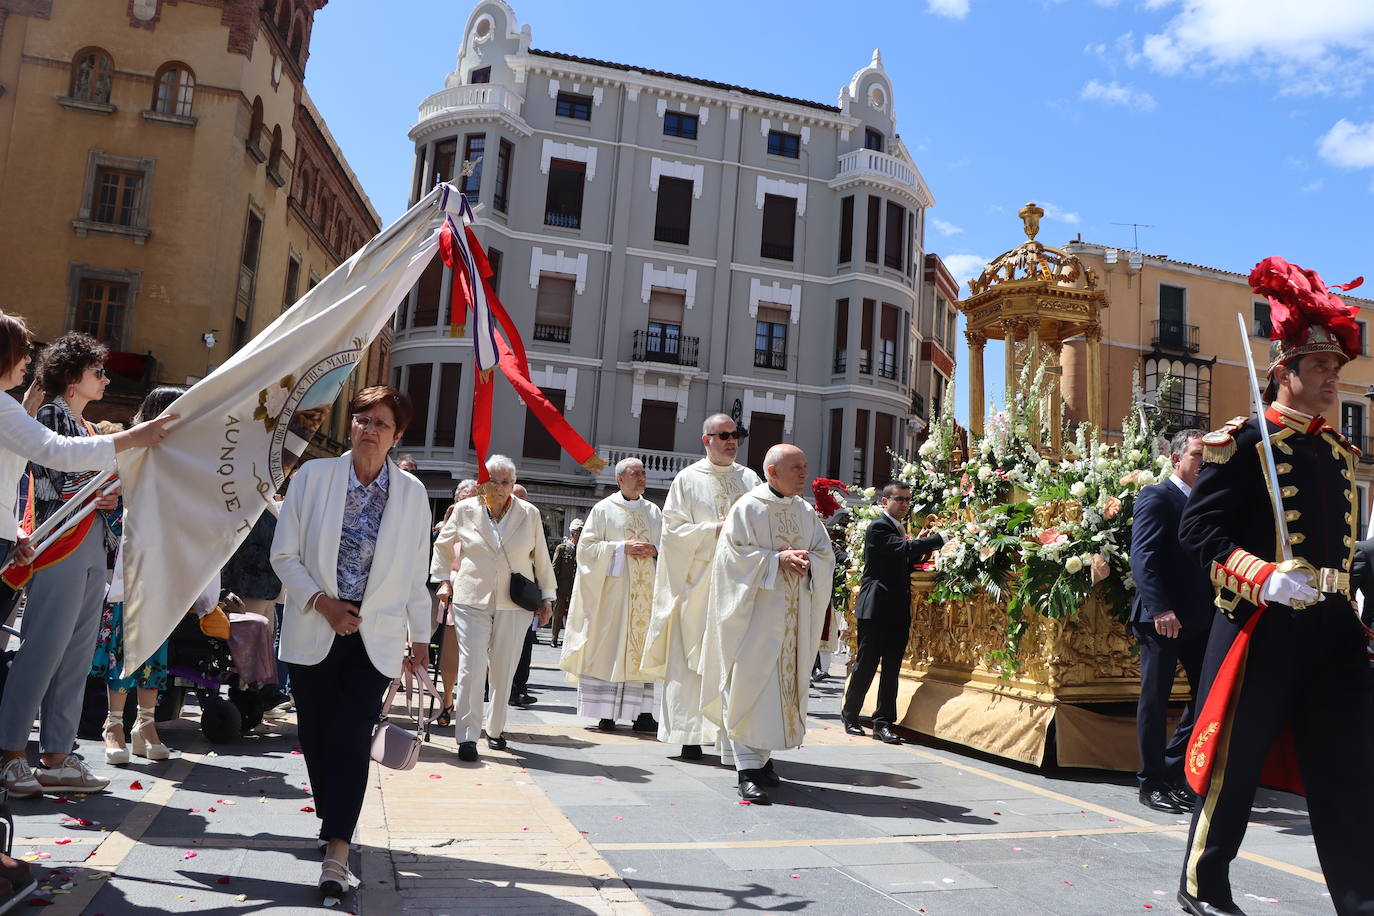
{"points": [[826, 503], [1299, 299]]}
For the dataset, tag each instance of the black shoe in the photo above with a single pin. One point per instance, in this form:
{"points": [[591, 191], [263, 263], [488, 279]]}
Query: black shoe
{"points": [[1159, 800], [1198, 907], [557, 643], [606, 725], [768, 776], [691, 752], [749, 789], [1183, 797], [497, 744], [523, 700], [851, 727], [645, 722], [885, 734], [467, 751]]}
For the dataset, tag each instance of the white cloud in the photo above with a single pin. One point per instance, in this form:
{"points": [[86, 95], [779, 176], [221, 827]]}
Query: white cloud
{"points": [[1312, 47], [950, 9], [964, 267], [943, 227], [1054, 211], [1122, 50], [1349, 146], [1312, 186], [1114, 93]]}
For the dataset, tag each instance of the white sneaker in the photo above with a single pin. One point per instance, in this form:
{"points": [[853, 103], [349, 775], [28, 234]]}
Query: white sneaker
{"points": [[72, 777], [17, 778]]}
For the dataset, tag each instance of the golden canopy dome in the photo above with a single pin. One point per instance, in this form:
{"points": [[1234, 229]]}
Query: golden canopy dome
{"points": [[1034, 261]]}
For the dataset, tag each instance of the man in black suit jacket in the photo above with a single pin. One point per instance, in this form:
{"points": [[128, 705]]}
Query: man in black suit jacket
{"points": [[1170, 617], [883, 611]]}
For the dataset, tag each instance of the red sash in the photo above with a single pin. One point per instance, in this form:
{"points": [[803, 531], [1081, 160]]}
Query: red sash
{"points": [[1212, 730]]}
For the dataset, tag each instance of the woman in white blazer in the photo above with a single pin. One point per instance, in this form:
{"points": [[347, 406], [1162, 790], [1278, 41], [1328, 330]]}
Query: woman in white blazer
{"points": [[491, 626], [351, 547]]}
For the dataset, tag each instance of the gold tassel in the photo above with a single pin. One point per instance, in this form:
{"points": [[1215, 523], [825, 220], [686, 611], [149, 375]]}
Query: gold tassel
{"points": [[595, 464], [457, 330]]}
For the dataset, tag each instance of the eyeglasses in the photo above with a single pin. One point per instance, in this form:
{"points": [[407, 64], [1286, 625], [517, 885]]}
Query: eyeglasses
{"points": [[381, 426], [734, 434], [899, 499], [100, 372]]}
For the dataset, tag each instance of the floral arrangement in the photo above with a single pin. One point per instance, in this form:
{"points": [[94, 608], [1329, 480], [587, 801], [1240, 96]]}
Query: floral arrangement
{"points": [[1041, 535]]}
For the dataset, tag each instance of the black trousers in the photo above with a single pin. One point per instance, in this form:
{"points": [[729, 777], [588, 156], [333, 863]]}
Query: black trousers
{"points": [[880, 641], [1161, 764], [338, 702], [521, 681], [1306, 670]]}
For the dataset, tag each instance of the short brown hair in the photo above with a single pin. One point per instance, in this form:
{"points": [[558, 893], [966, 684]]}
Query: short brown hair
{"points": [[14, 342], [386, 396], [67, 358]]}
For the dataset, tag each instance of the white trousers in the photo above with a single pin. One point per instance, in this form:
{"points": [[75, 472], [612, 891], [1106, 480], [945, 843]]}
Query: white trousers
{"points": [[489, 645], [748, 758]]}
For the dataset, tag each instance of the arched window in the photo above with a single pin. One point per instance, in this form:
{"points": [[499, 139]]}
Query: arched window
{"points": [[255, 123], [173, 89], [274, 152], [92, 71], [303, 189], [297, 40]]}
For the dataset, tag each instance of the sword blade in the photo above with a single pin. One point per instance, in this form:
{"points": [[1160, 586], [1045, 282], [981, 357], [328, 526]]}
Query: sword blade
{"points": [[1270, 470]]}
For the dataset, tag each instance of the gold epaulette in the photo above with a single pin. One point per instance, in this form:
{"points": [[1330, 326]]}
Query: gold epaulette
{"points": [[1344, 442], [1219, 445]]}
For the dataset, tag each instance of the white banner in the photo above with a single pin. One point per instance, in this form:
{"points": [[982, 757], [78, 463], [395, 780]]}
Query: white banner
{"points": [[189, 502]]}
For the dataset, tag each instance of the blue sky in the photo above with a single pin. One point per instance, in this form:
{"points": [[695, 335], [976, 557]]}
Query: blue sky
{"points": [[1235, 128]]}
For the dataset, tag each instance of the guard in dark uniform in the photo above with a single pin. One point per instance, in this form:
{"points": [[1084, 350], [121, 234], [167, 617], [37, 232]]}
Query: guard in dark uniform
{"points": [[1287, 685]]}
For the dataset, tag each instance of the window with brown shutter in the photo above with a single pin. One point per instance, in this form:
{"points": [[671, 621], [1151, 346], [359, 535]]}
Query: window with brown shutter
{"points": [[841, 336], [894, 244], [673, 221], [553, 307], [874, 227], [100, 311], [538, 442], [866, 338], [846, 228], [658, 425], [563, 203], [887, 344], [417, 387], [765, 431], [779, 227], [860, 446], [836, 434], [446, 411], [883, 428]]}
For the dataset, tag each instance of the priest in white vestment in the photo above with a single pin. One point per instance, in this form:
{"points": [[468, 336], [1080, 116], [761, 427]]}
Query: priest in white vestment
{"points": [[770, 585], [700, 497], [612, 600]]}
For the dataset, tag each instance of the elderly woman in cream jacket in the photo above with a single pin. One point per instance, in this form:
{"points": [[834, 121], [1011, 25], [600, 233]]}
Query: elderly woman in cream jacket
{"points": [[351, 547], [491, 544]]}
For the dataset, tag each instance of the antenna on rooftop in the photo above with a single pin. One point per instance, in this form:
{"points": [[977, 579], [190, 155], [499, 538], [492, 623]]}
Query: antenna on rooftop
{"points": [[1135, 232]]}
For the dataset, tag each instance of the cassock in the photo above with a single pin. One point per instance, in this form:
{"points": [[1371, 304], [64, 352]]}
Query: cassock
{"points": [[701, 495], [763, 624], [608, 617]]}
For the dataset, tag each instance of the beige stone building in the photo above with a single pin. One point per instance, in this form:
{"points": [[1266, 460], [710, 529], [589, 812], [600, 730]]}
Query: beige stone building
{"points": [[166, 184], [1167, 316]]}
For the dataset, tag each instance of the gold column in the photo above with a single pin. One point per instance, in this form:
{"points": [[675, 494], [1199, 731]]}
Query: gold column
{"points": [[1033, 360], [1093, 334], [1013, 329], [1054, 395], [977, 340]]}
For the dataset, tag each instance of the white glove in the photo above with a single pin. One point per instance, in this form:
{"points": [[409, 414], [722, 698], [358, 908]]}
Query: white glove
{"points": [[1287, 587]]}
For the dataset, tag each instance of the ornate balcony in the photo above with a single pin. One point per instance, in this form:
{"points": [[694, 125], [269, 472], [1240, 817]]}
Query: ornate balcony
{"points": [[660, 467], [1175, 335], [479, 101], [650, 347], [883, 169]]}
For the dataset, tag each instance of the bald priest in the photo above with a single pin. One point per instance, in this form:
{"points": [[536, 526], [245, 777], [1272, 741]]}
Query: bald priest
{"points": [[770, 584]]}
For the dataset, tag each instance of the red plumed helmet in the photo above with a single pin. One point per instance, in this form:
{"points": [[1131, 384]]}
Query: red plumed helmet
{"points": [[1305, 316], [826, 503]]}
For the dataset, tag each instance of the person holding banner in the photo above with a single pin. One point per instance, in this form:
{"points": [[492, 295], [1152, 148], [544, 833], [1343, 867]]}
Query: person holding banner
{"points": [[351, 546], [500, 541], [66, 592]]}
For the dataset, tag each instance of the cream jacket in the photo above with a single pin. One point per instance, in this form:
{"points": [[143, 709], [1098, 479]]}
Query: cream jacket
{"points": [[305, 555], [486, 560]]}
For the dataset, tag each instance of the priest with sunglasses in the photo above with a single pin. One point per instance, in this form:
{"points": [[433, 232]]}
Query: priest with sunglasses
{"points": [[698, 501]]}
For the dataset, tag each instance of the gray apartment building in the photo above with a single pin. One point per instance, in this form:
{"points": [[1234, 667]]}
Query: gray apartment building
{"points": [[670, 247]]}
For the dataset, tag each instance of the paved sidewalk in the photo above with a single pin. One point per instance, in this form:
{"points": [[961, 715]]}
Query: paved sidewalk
{"points": [[571, 820]]}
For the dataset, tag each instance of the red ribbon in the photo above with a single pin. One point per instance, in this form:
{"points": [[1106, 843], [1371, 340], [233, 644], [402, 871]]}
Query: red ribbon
{"points": [[512, 361]]}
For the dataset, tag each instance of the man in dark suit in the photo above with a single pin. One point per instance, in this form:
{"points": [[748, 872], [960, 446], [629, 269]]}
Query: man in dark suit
{"points": [[1362, 578], [1170, 617], [883, 611]]}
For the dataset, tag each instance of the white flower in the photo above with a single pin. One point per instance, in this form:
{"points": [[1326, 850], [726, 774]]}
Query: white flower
{"points": [[870, 493], [1102, 464], [985, 447], [1085, 558], [984, 472], [1073, 565], [927, 448], [1134, 455], [1078, 489], [1163, 461]]}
